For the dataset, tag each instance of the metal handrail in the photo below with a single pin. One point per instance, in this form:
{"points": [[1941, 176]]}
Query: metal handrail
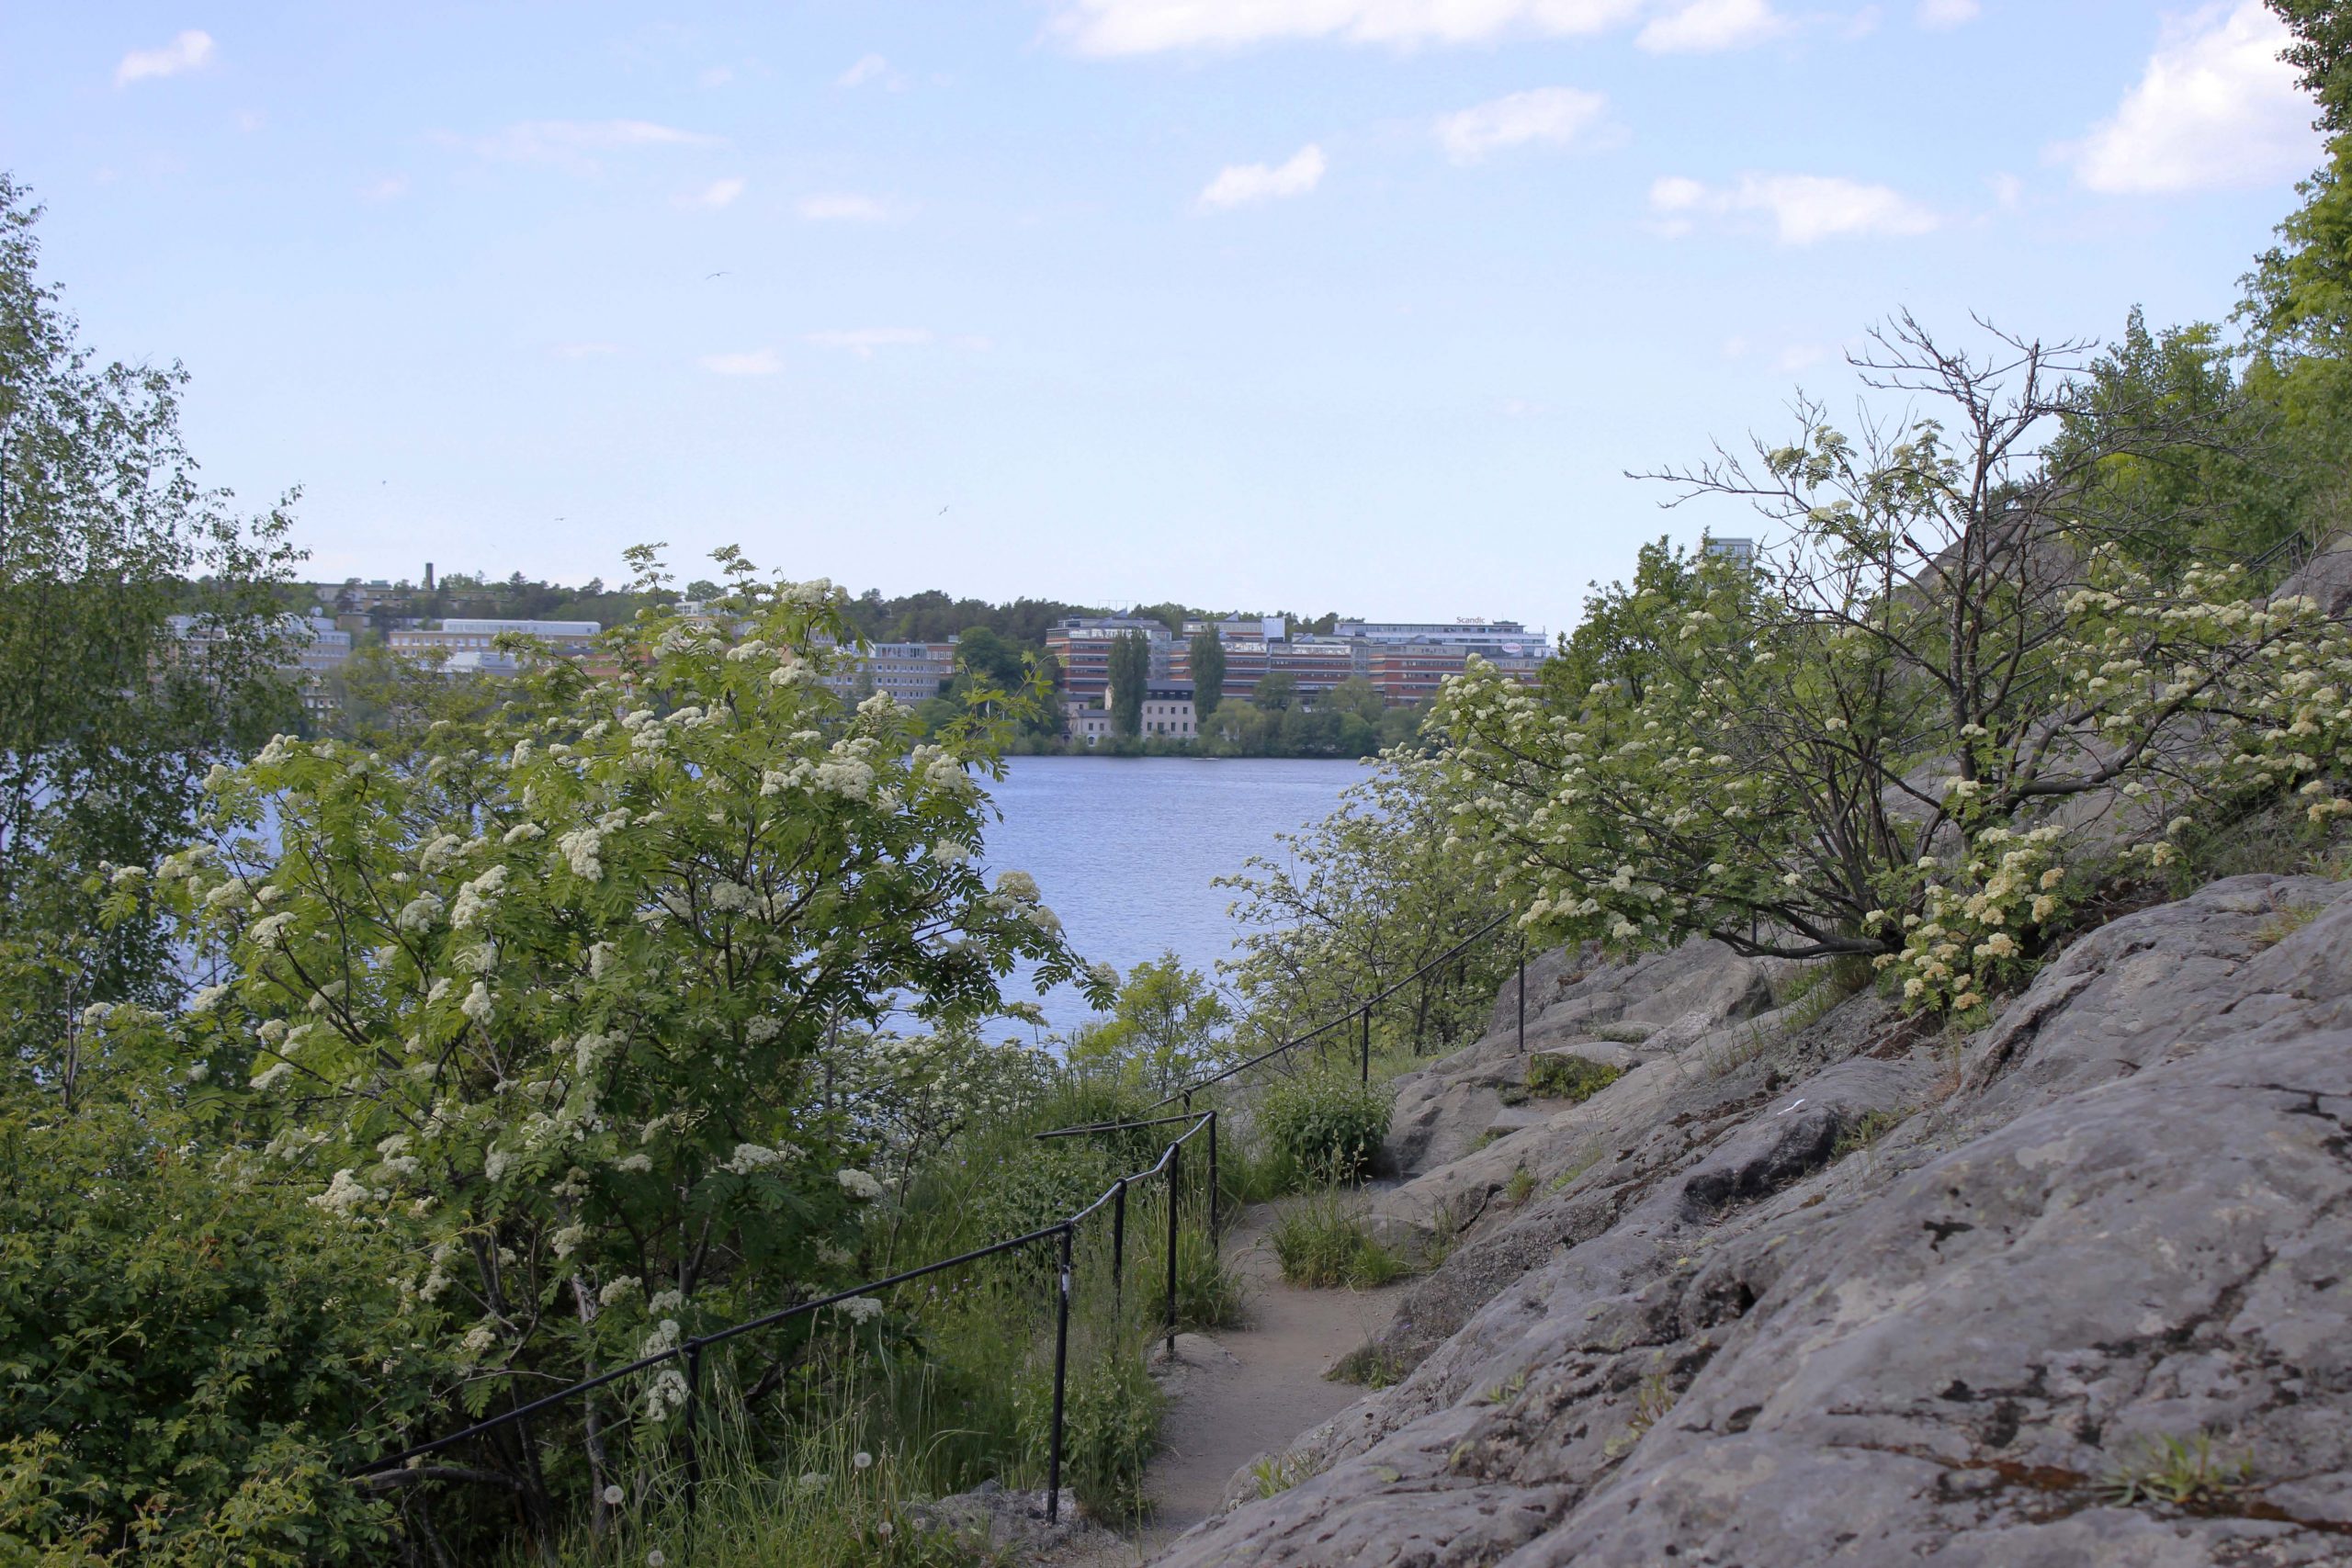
{"points": [[1362, 1011], [689, 1351]]}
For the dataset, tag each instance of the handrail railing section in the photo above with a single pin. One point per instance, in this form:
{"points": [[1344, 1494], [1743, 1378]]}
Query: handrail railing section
{"points": [[1062, 1233]]}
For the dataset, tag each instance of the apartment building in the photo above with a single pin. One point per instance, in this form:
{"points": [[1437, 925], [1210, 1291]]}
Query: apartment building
{"points": [[1405, 673], [1082, 643], [906, 673], [1167, 710], [1317, 663]]}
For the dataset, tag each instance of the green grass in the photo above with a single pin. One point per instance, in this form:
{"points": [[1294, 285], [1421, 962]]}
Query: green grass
{"points": [[2180, 1473], [1554, 1075], [2283, 923], [1277, 1473], [1369, 1366], [1868, 1130], [1320, 1242], [1520, 1187]]}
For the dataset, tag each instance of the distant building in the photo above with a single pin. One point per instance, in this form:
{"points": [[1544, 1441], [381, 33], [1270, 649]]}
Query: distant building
{"points": [[1082, 643], [906, 673], [1167, 710], [1740, 552], [319, 646], [470, 647], [1317, 663], [1405, 673], [1090, 725]]}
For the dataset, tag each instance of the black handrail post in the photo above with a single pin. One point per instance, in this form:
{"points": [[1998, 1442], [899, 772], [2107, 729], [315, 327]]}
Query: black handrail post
{"points": [[1522, 996], [1119, 1244], [1364, 1077], [1214, 1251], [1061, 1385], [1175, 1172], [694, 1446]]}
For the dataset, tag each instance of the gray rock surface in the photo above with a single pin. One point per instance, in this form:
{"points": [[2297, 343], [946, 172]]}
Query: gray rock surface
{"points": [[1861, 1292]]}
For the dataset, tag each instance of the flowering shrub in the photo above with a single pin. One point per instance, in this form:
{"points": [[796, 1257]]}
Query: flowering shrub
{"points": [[544, 1001], [1867, 740]]}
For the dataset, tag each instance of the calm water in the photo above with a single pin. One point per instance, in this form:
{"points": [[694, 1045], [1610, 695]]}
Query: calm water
{"points": [[1125, 849]]}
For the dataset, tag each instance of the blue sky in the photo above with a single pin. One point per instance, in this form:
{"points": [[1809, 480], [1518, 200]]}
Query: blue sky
{"points": [[1354, 304]]}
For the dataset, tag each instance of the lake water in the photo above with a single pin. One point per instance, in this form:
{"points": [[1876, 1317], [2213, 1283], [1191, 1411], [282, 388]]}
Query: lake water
{"points": [[1126, 849]]}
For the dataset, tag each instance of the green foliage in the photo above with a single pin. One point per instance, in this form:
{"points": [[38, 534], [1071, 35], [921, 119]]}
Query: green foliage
{"points": [[1130, 672], [1277, 690], [1320, 1241], [1047, 1182], [1562, 1074], [1208, 1291], [1167, 1027], [1113, 1415], [109, 719], [541, 1003], [1356, 906], [1816, 755], [1369, 1365], [187, 1356], [1277, 1473], [1208, 677], [1327, 1126], [1867, 1130], [1521, 1188]]}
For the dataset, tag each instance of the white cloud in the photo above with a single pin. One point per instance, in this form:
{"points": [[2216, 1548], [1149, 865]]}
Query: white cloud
{"points": [[864, 341], [2008, 190], [716, 77], [1938, 15], [586, 350], [841, 206], [750, 361], [251, 121], [1147, 26], [2216, 107], [1557, 117], [1239, 184], [1704, 26], [575, 143], [871, 68], [1804, 208], [391, 187], [714, 195], [191, 51]]}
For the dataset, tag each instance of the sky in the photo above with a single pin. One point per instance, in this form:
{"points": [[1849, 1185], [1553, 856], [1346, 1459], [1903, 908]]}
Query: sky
{"points": [[1361, 305]]}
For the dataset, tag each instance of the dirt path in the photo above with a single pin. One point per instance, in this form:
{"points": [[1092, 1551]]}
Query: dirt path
{"points": [[1249, 1390]]}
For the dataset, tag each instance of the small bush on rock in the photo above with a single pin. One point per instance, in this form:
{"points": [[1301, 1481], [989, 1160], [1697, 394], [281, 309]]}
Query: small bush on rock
{"points": [[1329, 1127], [1559, 1075]]}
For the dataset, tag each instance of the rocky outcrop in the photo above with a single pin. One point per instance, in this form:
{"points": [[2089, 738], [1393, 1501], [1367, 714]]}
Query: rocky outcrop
{"points": [[2077, 1289]]}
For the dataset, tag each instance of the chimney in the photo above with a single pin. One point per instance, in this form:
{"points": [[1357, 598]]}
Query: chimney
{"points": [[428, 577]]}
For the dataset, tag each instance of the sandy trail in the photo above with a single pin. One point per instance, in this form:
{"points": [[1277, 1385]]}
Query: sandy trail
{"points": [[1247, 1391]]}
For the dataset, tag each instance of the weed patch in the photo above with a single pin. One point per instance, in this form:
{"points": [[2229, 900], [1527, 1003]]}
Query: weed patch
{"points": [[2180, 1472], [1321, 1241], [1562, 1075], [1328, 1127]]}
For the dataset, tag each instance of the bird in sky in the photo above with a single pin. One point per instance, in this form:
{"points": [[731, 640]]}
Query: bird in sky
{"points": [[708, 276], [943, 510]]}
